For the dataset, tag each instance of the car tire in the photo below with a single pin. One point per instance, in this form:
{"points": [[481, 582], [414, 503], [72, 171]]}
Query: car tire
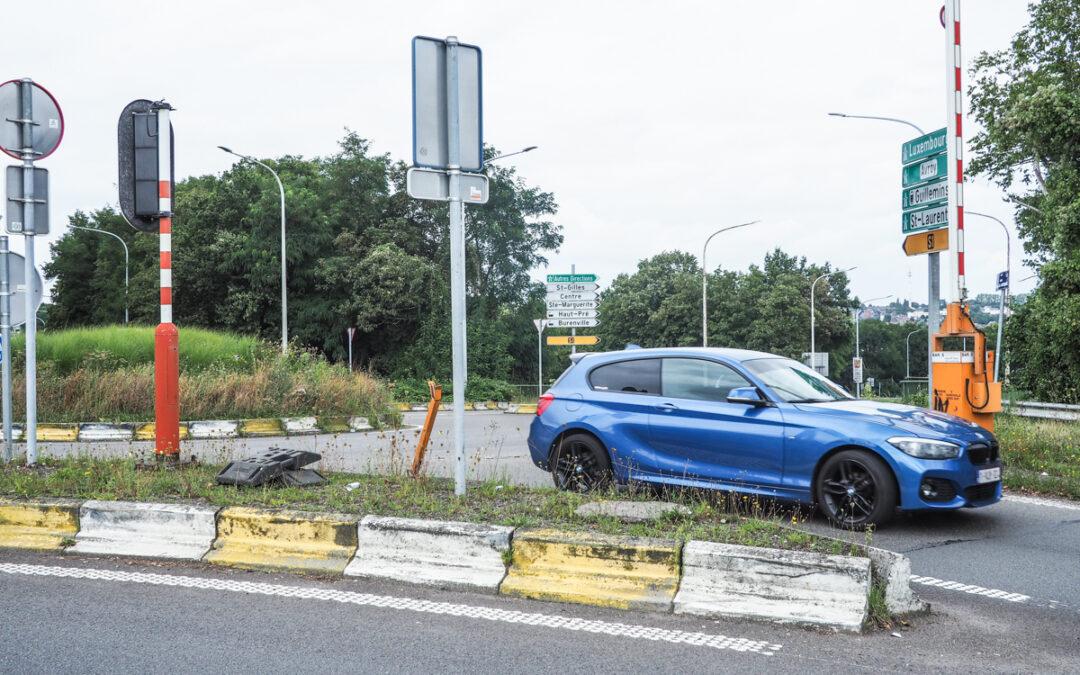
{"points": [[855, 490], [580, 463]]}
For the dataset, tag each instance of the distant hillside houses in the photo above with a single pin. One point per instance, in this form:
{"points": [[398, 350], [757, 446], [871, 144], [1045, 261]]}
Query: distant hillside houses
{"points": [[984, 310]]}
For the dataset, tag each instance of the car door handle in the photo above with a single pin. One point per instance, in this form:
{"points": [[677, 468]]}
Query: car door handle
{"points": [[667, 407]]}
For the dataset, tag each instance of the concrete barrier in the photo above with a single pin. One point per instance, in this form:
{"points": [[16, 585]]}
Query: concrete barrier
{"points": [[47, 525], [284, 540], [431, 552], [64, 433], [147, 431], [359, 424], [726, 580], [521, 409], [296, 426], [213, 429], [590, 569], [176, 531], [893, 571], [270, 426]]}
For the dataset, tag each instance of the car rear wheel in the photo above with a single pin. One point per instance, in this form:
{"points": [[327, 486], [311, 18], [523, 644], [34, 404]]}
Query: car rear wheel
{"points": [[856, 490], [580, 464]]}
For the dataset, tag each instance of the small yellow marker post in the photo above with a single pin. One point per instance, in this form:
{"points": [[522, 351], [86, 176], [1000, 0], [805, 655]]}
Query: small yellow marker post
{"points": [[429, 424]]}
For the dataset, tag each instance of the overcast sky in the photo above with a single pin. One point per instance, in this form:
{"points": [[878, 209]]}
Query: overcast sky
{"points": [[657, 122]]}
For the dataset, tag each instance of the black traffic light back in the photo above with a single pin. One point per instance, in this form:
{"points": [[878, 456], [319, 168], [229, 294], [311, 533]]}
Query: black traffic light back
{"points": [[137, 143]]}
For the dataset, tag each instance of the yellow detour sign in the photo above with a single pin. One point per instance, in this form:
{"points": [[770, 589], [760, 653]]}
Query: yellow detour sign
{"points": [[567, 340], [926, 242]]}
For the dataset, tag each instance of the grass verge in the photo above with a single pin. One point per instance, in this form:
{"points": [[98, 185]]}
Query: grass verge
{"points": [[711, 518], [1041, 456]]}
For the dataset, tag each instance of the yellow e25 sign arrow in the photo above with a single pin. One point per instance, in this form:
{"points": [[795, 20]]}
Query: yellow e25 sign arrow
{"points": [[926, 242], [568, 340]]}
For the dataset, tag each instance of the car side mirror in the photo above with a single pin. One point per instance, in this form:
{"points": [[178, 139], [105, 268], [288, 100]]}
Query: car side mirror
{"points": [[747, 396]]}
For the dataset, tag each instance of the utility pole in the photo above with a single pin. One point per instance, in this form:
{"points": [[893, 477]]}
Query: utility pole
{"points": [[705, 283]]}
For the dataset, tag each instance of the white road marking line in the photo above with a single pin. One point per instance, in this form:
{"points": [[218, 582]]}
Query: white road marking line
{"points": [[715, 641], [969, 588], [1041, 501]]}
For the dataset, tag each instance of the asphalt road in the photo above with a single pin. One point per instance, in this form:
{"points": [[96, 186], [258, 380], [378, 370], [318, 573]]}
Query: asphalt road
{"points": [[95, 615], [1009, 569]]}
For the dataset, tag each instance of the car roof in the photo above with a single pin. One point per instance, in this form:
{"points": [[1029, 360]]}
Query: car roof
{"points": [[723, 352]]}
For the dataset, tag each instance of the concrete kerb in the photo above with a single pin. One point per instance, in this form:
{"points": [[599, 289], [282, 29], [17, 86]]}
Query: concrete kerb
{"points": [[43, 525], [444, 554], [591, 569], [728, 580], [175, 531], [292, 541]]}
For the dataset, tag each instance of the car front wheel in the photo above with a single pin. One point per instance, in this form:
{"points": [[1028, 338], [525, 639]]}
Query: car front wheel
{"points": [[855, 489]]}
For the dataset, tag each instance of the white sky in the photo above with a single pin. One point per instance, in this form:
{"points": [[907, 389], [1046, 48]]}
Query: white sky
{"points": [[657, 122]]}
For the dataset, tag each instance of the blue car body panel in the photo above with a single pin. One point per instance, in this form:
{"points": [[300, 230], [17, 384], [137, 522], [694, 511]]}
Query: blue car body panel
{"points": [[771, 450]]}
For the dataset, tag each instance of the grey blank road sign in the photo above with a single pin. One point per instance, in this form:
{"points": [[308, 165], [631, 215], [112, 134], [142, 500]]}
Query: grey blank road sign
{"points": [[16, 207], [17, 284], [48, 121], [430, 108], [435, 185]]}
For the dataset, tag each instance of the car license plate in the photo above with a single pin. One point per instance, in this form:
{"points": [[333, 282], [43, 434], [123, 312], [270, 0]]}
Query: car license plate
{"points": [[989, 475]]}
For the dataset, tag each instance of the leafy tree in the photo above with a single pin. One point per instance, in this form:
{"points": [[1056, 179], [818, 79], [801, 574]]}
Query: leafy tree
{"points": [[1027, 99]]}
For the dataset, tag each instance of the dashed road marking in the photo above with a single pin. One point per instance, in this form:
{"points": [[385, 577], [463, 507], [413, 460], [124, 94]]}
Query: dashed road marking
{"points": [[1040, 501], [612, 628], [970, 588]]}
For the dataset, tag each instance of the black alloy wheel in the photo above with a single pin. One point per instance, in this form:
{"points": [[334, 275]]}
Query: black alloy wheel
{"points": [[856, 490], [579, 463]]}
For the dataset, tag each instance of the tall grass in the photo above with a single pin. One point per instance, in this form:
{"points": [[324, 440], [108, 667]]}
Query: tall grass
{"points": [[117, 347], [1040, 455]]}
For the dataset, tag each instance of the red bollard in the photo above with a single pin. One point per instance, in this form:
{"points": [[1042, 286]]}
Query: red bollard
{"points": [[167, 391]]}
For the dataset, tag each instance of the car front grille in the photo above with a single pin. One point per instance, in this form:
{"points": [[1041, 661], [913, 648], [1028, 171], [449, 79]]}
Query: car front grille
{"points": [[981, 493], [982, 453]]}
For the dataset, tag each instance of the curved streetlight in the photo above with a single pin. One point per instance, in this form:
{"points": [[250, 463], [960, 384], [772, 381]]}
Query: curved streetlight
{"points": [[284, 288], [884, 119], [855, 316], [511, 154], [126, 258], [705, 281], [907, 342], [813, 322], [1004, 291]]}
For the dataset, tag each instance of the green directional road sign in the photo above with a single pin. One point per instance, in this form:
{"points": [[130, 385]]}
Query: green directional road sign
{"points": [[924, 195], [924, 146], [927, 218], [921, 172], [570, 278]]}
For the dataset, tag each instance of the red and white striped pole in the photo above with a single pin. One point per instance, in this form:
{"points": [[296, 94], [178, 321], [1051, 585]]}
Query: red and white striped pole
{"points": [[958, 291], [166, 337]]}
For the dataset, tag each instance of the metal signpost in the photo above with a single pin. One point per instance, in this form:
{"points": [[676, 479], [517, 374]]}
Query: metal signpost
{"points": [[924, 219], [146, 155], [31, 128], [12, 315], [540, 324], [448, 140]]}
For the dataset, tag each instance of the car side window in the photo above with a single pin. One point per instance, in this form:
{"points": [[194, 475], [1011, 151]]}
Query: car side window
{"points": [[639, 376], [699, 380]]}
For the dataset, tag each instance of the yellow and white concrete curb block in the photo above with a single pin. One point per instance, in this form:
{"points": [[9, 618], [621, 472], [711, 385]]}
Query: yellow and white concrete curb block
{"points": [[521, 409], [271, 426], [746, 582], [148, 431], [58, 432], [175, 531], [214, 429], [106, 432], [445, 554], [292, 541], [591, 569], [46, 525], [298, 426]]}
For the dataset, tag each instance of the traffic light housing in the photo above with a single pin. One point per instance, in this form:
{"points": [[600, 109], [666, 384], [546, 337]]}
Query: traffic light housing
{"points": [[137, 144]]}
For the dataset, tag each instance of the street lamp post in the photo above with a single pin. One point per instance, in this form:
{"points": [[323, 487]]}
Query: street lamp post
{"points": [[1004, 291], [126, 265], [907, 343], [511, 154], [933, 267], [705, 281], [813, 318], [284, 279], [855, 316]]}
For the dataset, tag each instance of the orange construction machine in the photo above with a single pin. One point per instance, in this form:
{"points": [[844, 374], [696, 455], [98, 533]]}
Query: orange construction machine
{"points": [[963, 370]]}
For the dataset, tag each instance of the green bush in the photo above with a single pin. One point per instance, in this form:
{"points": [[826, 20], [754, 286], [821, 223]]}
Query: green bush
{"points": [[478, 389]]}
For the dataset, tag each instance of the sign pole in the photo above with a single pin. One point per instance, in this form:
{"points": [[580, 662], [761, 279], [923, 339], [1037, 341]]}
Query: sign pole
{"points": [[957, 290], [166, 337], [933, 319], [457, 261], [5, 335], [540, 359], [26, 92], [573, 331]]}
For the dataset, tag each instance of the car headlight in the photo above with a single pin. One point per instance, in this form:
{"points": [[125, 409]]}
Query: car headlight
{"points": [[925, 448]]}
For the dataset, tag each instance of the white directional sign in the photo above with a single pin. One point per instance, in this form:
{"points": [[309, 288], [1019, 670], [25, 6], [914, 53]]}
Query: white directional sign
{"points": [[572, 286], [571, 304], [571, 323], [568, 296], [571, 313]]}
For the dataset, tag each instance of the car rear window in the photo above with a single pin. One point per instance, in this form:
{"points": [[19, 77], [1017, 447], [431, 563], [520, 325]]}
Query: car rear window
{"points": [[640, 376]]}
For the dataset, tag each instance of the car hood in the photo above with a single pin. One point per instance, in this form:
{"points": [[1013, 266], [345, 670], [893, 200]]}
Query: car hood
{"points": [[905, 419]]}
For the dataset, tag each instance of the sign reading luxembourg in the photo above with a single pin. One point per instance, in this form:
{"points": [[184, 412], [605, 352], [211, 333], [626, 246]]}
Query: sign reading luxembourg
{"points": [[922, 147], [924, 179]]}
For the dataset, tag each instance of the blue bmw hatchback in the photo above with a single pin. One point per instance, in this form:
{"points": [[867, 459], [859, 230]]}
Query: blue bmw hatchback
{"points": [[756, 423]]}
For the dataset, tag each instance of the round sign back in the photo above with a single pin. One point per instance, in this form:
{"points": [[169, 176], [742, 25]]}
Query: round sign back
{"points": [[48, 121]]}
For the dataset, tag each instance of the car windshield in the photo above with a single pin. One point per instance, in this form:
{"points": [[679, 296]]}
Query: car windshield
{"points": [[794, 382]]}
